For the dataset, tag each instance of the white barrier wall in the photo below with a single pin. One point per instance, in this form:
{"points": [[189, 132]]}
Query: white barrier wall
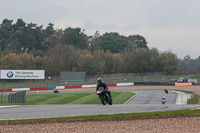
{"points": [[60, 87], [88, 86], [124, 84], [20, 89]]}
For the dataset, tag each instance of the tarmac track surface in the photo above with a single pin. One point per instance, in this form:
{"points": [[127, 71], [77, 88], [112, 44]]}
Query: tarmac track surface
{"points": [[145, 101]]}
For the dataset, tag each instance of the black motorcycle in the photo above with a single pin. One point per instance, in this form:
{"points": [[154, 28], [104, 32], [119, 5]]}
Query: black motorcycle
{"points": [[166, 91], [104, 97]]}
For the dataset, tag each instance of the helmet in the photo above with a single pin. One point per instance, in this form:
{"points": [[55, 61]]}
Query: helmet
{"points": [[99, 80]]}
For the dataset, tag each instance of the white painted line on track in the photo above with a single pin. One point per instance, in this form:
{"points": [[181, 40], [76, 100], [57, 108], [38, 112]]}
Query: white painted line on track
{"points": [[9, 106], [131, 97]]}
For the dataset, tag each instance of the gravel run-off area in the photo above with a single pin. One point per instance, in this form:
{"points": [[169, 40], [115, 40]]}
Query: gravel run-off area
{"points": [[153, 124]]}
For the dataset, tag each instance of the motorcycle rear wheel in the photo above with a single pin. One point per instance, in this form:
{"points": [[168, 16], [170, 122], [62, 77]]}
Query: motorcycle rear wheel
{"points": [[103, 99]]}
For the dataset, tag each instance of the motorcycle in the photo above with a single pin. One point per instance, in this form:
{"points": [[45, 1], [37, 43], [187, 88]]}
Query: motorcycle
{"points": [[166, 91], [163, 101], [104, 96]]}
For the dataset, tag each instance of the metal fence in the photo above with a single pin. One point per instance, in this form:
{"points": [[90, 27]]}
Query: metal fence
{"points": [[13, 97]]}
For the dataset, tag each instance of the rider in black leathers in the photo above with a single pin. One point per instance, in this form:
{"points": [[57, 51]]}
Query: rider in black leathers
{"points": [[104, 85]]}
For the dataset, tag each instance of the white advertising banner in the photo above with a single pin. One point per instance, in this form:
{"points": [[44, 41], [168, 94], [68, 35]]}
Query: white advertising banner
{"points": [[22, 74]]}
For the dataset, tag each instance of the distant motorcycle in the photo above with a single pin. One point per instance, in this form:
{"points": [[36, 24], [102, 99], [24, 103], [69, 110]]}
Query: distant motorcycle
{"points": [[104, 96], [163, 101], [166, 91]]}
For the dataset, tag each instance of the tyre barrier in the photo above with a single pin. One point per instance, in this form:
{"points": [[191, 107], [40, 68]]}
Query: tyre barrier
{"points": [[147, 83]]}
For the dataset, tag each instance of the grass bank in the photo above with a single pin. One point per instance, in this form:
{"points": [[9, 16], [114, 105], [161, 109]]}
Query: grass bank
{"points": [[117, 116], [73, 98], [76, 98]]}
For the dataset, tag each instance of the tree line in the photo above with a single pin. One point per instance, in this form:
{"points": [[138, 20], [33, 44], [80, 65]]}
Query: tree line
{"points": [[29, 46], [189, 64]]}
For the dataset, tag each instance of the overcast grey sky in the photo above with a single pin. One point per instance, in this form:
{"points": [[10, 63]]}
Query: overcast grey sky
{"points": [[166, 24]]}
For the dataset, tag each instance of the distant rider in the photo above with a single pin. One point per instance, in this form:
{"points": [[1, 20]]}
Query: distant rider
{"points": [[101, 83], [163, 98]]}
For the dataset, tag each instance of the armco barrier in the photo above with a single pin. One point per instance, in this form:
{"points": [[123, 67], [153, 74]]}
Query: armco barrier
{"points": [[89, 86], [84, 86], [75, 86], [38, 88], [62, 87], [2, 90], [51, 88], [112, 84], [21, 89]]}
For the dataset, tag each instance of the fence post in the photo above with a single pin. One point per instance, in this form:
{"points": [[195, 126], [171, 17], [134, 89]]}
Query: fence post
{"points": [[9, 97], [1, 97]]}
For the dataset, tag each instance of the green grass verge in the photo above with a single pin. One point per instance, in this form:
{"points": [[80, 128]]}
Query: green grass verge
{"points": [[72, 98], [144, 114], [194, 99]]}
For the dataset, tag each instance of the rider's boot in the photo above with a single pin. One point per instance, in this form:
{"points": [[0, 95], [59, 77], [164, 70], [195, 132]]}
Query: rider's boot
{"points": [[109, 94]]}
